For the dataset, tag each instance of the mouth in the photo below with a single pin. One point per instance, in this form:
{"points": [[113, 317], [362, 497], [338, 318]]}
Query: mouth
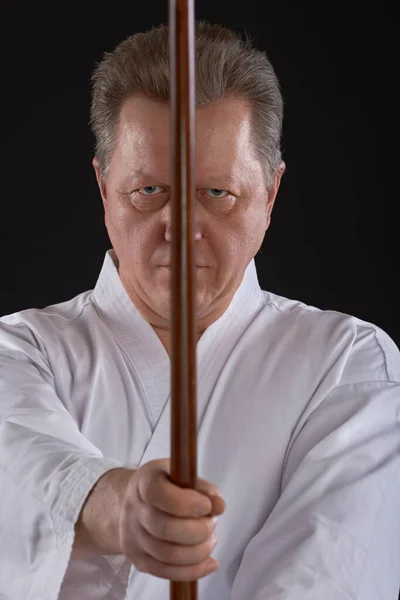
{"points": [[170, 267]]}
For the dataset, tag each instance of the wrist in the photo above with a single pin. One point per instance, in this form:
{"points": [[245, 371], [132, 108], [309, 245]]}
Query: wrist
{"points": [[99, 521]]}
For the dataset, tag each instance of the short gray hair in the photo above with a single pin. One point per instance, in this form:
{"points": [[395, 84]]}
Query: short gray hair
{"points": [[226, 64]]}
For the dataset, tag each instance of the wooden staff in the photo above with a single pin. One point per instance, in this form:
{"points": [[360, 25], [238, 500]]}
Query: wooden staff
{"points": [[183, 275]]}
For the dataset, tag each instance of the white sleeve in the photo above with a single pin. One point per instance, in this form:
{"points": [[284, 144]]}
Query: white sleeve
{"points": [[47, 468], [334, 533]]}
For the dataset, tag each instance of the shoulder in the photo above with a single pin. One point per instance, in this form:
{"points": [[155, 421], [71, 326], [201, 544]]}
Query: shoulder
{"points": [[362, 349], [34, 327]]}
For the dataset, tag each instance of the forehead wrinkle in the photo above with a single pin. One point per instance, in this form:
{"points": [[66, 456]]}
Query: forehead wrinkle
{"points": [[222, 152]]}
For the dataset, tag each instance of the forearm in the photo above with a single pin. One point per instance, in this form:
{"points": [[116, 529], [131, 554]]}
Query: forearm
{"points": [[96, 531]]}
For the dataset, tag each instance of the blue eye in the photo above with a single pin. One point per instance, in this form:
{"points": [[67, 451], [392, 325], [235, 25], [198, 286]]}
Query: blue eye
{"points": [[218, 190], [149, 187], [152, 190]]}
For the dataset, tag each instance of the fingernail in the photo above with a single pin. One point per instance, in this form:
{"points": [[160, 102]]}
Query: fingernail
{"points": [[214, 539], [214, 521]]}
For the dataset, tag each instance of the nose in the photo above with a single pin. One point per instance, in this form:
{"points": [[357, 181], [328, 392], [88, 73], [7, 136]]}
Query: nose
{"points": [[168, 231]]}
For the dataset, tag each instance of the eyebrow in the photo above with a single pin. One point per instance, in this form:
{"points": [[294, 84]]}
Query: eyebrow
{"points": [[138, 173]]}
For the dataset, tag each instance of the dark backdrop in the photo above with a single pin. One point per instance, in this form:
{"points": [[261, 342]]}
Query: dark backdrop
{"points": [[332, 241]]}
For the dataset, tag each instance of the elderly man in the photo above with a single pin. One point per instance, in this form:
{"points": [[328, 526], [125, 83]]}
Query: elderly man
{"points": [[298, 408]]}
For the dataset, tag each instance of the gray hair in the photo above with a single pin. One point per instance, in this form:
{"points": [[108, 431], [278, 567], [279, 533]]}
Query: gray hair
{"points": [[226, 64]]}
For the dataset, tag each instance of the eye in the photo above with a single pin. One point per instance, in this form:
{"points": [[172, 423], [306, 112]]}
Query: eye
{"points": [[149, 188], [218, 192]]}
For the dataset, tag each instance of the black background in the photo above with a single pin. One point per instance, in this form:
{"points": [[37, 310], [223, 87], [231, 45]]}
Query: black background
{"points": [[333, 238]]}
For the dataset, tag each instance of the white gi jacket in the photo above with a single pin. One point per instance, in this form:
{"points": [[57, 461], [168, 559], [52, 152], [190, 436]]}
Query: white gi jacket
{"points": [[298, 425]]}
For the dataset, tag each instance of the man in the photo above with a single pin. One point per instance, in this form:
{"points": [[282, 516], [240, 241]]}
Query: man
{"points": [[298, 408]]}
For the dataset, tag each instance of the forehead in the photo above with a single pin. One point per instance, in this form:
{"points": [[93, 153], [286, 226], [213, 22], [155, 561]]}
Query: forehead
{"points": [[222, 134]]}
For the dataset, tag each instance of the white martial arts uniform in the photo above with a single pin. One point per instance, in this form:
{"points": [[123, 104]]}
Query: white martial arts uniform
{"points": [[298, 425]]}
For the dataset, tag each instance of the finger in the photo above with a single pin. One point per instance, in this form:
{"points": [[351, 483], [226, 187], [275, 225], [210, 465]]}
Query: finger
{"points": [[212, 491], [174, 554], [172, 529], [148, 564], [159, 491], [218, 505], [206, 487]]}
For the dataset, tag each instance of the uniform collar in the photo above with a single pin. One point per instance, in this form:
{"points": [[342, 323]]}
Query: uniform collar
{"points": [[142, 347], [113, 301]]}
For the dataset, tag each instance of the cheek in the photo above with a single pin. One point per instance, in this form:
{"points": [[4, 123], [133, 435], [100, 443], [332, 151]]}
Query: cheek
{"points": [[245, 233], [122, 233], [138, 239], [255, 224], [236, 245], [120, 217]]}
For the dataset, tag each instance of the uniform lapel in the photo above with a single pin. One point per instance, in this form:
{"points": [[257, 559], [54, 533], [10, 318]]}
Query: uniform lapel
{"points": [[213, 351]]}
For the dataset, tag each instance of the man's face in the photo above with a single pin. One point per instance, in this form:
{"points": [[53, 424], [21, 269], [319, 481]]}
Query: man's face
{"points": [[232, 208]]}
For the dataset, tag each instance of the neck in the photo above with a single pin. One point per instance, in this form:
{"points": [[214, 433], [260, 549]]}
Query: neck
{"points": [[164, 335]]}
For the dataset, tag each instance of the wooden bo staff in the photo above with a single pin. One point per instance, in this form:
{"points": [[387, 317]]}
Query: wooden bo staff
{"points": [[183, 274]]}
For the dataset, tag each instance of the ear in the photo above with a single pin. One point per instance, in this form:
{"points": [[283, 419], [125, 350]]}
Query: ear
{"points": [[274, 190], [100, 181]]}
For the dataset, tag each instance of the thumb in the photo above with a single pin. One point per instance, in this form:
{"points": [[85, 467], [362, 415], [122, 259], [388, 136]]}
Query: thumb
{"points": [[209, 489]]}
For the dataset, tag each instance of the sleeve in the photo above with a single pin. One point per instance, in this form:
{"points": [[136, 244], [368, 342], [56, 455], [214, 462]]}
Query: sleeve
{"points": [[334, 533], [47, 469]]}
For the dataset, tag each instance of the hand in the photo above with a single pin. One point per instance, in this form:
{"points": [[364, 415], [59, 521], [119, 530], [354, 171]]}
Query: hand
{"points": [[166, 530]]}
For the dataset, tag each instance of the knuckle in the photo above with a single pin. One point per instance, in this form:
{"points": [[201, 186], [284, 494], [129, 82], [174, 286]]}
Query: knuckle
{"points": [[157, 524], [158, 550], [202, 531], [163, 529], [194, 556], [142, 487], [200, 534], [174, 556], [149, 491], [177, 556], [144, 513], [149, 485], [195, 533], [209, 528], [202, 508], [146, 516]]}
